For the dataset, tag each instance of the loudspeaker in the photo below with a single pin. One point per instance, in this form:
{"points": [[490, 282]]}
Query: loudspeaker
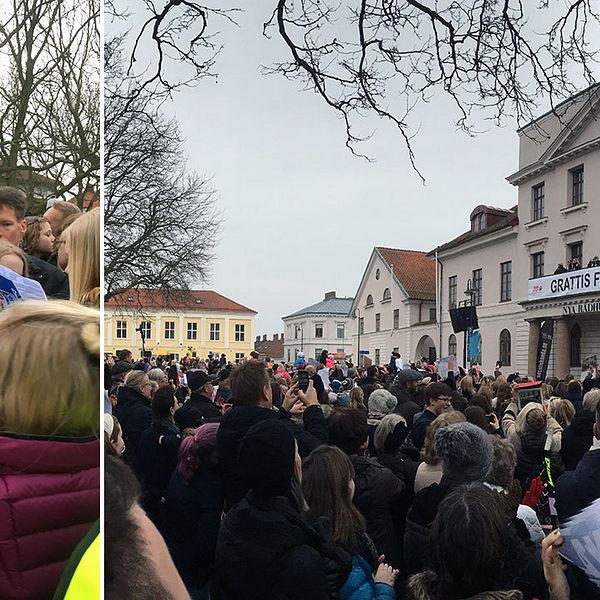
{"points": [[463, 318]]}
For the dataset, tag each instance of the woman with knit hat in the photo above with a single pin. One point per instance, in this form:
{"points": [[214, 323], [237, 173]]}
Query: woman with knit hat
{"points": [[266, 548]]}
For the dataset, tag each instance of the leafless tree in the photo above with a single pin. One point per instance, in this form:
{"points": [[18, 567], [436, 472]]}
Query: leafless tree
{"points": [[161, 219], [49, 96], [384, 57]]}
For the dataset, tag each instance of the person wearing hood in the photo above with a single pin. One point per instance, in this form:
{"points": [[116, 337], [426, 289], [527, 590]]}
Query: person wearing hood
{"points": [[265, 547], [578, 436], [404, 388]]}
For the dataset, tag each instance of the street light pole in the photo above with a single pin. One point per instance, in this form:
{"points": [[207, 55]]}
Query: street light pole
{"points": [[470, 292], [143, 336], [357, 310]]}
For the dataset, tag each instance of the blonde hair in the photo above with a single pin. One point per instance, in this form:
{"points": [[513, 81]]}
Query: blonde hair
{"points": [[83, 238], [449, 418], [7, 249], [521, 420], [136, 380], [51, 384], [467, 385], [563, 411]]}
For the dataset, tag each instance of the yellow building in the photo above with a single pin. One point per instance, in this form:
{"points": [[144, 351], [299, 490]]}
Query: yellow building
{"points": [[178, 323]]}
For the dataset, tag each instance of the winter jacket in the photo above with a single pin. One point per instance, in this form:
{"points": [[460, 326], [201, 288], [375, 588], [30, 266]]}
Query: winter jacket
{"points": [[577, 438], [378, 496], [196, 410], [190, 522], [265, 549], [54, 281], [406, 407], [422, 587], [49, 499], [419, 428], [576, 399], [156, 462], [361, 586], [553, 428], [135, 415], [576, 489], [236, 423]]}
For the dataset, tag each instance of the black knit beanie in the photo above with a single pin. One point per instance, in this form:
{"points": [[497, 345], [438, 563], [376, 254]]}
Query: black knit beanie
{"points": [[266, 456]]}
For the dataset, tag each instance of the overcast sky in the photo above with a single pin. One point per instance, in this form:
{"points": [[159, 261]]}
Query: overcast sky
{"points": [[301, 214]]}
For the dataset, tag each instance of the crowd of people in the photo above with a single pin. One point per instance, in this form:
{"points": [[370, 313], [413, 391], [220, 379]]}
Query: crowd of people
{"points": [[49, 410], [322, 480]]}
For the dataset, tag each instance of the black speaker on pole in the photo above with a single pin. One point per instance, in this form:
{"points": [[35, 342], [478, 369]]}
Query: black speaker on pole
{"points": [[463, 318]]}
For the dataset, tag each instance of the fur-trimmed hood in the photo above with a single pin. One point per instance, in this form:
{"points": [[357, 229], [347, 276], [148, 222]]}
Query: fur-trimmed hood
{"points": [[421, 586]]}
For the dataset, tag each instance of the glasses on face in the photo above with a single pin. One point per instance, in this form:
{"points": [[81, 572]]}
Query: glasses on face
{"points": [[444, 399]]}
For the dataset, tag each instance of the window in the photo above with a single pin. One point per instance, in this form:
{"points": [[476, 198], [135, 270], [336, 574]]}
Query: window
{"points": [[215, 332], [169, 330], [537, 264], [537, 205], [396, 318], [576, 186], [318, 353], [240, 332], [479, 222], [377, 274], [377, 356], [121, 330], [452, 345], [452, 291], [146, 330], [192, 331], [387, 295], [505, 347], [575, 346], [477, 287], [361, 325], [240, 355], [289, 355], [505, 282], [318, 330], [369, 300], [432, 314], [377, 321], [576, 251], [341, 331], [296, 329]]}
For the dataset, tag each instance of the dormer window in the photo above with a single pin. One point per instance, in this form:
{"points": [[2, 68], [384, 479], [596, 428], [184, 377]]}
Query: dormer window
{"points": [[478, 222]]}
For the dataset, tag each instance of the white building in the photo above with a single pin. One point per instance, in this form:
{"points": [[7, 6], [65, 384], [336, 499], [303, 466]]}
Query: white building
{"points": [[325, 325], [509, 256], [394, 307]]}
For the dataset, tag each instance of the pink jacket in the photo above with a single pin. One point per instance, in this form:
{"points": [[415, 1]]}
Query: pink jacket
{"points": [[49, 498]]}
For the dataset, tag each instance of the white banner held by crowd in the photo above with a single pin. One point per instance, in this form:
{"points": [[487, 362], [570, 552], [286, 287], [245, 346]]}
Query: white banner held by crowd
{"points": [[14, 287]]}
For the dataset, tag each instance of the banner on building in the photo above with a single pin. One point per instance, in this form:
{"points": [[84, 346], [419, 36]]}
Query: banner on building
{"points": [[582, 281], [543, 349], [473, 346]]}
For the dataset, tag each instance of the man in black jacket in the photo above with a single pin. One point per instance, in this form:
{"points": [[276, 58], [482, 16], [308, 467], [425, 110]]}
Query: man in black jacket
{"points": [[200, 405], [253, 402], [13, 207]]}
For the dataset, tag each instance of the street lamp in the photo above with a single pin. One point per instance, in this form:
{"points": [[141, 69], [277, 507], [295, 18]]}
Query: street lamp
{"points": [[357, 310], [142, 331], [470, 292]]}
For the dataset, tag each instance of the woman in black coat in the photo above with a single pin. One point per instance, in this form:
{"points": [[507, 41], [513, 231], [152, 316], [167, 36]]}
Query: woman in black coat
{"points": [[191, 513], [157, 451], [266, 548]]}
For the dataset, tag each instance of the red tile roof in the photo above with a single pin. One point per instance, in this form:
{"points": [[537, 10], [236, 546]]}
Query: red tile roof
{"points": [[415, 271], [176, 300]]}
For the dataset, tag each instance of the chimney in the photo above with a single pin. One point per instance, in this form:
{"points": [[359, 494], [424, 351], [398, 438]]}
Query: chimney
{"points": [[257, 339], [264, 338], [329, 295], [282, 338], [275, 337]]}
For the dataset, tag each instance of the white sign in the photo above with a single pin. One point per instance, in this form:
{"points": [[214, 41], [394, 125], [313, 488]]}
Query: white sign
{"points": [[15, 287], [571, 283]]}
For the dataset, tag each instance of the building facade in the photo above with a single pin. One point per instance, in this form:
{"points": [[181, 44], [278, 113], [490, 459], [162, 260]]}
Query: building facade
{"points": [[394, 308], [507, 260], [325, 325], [194, 323], [270, 348]]}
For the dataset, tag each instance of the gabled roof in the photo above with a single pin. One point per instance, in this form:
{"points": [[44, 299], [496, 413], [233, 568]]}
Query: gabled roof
{"points": [[511, 220], [329, 306], [413, 269], [201, 300]]}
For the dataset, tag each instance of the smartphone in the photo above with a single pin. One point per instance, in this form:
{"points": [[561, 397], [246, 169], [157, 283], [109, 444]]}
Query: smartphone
{"points": [[303, 379]]}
